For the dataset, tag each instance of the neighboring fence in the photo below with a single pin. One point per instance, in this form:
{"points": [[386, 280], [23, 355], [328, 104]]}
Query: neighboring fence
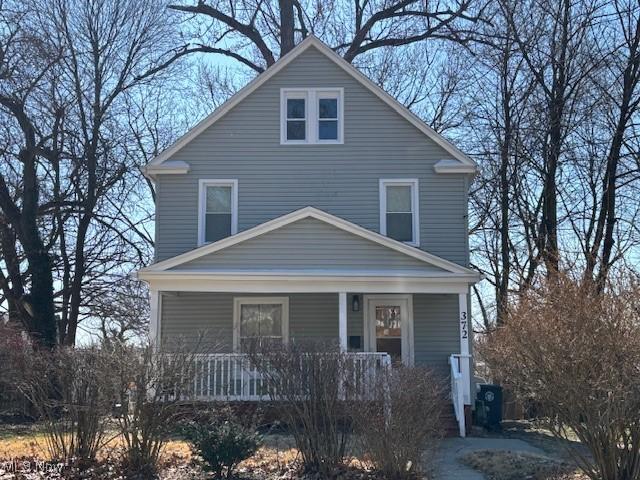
{"points": [[233, 377]]}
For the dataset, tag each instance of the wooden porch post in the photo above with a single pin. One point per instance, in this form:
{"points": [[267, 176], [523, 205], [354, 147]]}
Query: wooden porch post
{"points": [[342, 320], [465, 360], [154, 318]]}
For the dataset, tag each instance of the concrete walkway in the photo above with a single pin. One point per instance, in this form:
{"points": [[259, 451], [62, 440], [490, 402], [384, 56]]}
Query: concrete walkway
{"points": [[448, 466]]}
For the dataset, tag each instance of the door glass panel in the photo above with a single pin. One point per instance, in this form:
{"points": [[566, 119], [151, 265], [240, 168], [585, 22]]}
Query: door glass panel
{"points": [[389, 331]]}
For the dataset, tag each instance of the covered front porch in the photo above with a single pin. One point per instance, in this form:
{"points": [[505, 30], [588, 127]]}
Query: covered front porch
{"points": [[312, 276], [376, 331]]}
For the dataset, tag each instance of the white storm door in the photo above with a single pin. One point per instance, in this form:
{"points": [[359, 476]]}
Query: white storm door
{"points": [[388, 326]]}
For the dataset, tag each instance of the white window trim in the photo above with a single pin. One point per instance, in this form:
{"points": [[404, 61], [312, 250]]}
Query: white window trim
{"points": [[239, 301], [202, 204], [311, 96], [415, 201], [407, 337]]}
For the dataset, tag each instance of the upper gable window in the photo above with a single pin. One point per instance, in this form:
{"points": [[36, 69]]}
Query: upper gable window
{"points": [[399, 217], [218, 210], [311, 116], [296, 117]]}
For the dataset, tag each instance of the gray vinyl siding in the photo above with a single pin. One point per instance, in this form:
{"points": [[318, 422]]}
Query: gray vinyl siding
{"points": [[312, 316], [435, 330], [307, 244], [343, 180], [189, 316]]}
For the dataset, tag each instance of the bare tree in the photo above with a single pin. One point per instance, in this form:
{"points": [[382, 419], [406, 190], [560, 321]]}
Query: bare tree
{"points": [[558, 51], [75, 81], [620, 89], [255, 33], [25, 64]]}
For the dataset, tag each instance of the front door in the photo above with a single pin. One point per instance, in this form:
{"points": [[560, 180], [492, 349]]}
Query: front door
{"points": [[389, 326]]}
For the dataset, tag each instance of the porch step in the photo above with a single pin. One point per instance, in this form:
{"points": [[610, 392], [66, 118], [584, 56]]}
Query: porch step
{"points": [[449, 422]]}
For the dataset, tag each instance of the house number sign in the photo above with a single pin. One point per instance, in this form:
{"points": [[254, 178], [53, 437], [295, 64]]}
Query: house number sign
{"points": [[464, 333]]}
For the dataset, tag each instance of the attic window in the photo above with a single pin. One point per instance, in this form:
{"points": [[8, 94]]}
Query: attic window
{"points": [[311, 116]]}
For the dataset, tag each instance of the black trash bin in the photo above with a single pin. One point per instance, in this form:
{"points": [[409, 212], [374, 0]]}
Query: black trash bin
{"points": [[489, 399]]}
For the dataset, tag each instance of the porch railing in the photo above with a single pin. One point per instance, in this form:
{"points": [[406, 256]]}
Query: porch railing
{"points": [[233, 377], [457, 391]]}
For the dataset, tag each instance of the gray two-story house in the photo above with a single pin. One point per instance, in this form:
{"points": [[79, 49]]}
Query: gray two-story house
{"points": [[312, 205]]}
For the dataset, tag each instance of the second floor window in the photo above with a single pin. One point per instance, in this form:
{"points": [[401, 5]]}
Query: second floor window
{"points": [[218, 215], [311, 116], [399, 217]]}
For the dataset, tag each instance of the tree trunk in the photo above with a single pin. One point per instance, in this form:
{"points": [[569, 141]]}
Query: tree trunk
{"points": [[287, 25], [502, 293], [39, 303]]}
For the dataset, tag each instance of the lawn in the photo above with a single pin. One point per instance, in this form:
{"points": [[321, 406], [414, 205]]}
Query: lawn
{"points": [[276, 458]]}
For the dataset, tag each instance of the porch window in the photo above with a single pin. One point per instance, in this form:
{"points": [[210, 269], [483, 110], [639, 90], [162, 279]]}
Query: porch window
{"points": [[260, 321], [218, 210], [399, 210]]}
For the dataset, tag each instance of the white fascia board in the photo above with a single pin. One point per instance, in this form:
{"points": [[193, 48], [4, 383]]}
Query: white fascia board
{"points": [[301, 284], [311, 40], [454, 166], [310, 212]]}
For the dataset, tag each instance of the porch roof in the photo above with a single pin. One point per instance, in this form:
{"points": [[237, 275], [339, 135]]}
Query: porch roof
{"points": [[308, 249]]}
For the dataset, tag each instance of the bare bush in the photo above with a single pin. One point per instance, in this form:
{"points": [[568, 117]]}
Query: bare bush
{"points": [[154, 390], [576, 354], [71, 392], [15, 353], [309, 380], [396, 431]]}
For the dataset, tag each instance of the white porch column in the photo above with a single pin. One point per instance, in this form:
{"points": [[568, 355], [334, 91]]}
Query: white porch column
{"points": [[154, 317], [465, 360], [342, 320]]}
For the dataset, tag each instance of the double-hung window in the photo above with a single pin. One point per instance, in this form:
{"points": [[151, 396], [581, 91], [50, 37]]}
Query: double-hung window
{"points": [[296, 117], [328, 121], [260, 322], [399, 217], [311, 116], [218, 210]]}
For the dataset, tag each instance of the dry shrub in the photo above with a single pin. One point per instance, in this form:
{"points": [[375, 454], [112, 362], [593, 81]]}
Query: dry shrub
{"points": [[575, 353], [72, 394], [15, 357], [220, 441], [153, 390], [309, 380], [397, 430]]}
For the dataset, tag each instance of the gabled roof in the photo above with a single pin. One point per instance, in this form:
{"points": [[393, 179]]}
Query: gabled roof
{"points": [[312, 41], [310, 212]]}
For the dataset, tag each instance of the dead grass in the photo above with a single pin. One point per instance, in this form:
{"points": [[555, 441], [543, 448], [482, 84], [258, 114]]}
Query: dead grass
{"points": [[507, 465], [31, 443], [275, 458]]}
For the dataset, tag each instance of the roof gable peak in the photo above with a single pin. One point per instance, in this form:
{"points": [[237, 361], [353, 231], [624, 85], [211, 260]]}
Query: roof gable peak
{"points": [[310, 41]]}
